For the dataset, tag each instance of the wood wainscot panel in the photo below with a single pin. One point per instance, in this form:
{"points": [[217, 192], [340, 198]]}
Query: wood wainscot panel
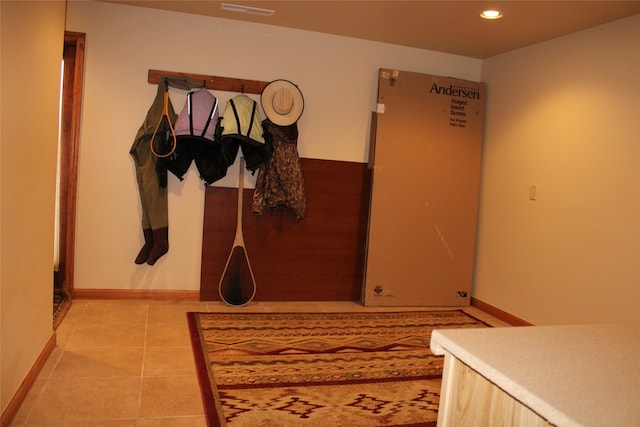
{"points": [[318, 258]]}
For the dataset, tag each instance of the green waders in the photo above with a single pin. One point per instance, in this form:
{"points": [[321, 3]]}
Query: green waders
{"points": [[153, 196]]}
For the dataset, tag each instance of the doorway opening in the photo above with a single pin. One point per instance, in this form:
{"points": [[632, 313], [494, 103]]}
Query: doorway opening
{"points": [[70, 111]]}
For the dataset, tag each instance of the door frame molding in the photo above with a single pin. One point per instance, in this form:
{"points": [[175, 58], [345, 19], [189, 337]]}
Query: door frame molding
{"points": [[72, 92]]}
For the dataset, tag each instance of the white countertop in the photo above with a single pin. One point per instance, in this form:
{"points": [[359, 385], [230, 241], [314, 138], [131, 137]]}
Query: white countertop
{"points": [[575, 375]]}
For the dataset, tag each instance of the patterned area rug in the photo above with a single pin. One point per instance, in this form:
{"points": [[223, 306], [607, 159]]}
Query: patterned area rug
{"points": [[321, 369]]}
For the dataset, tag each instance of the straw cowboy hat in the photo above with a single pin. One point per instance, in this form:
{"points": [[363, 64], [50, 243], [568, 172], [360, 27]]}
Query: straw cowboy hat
{"points": [[282, 102]]}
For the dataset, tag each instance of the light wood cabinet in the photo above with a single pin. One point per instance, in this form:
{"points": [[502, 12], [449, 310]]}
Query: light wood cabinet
{"points": [[468, 399], [569, 376]]}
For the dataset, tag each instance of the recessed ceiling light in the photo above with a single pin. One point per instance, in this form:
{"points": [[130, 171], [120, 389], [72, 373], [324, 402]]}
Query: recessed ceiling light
{"points": [[246, 9], [491, 14]]}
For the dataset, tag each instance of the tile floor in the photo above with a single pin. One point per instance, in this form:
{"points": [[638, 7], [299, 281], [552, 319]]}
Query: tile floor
{"points": [[129, 363]]}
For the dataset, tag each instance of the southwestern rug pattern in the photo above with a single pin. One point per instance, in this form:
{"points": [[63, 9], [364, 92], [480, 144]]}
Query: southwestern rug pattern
{"points": [[321, 369]]}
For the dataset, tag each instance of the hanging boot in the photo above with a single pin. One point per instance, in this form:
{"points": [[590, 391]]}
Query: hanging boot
{"points": [[160, 244], [143, 255]]}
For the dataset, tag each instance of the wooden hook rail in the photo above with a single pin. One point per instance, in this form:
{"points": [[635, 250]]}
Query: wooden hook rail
{"points": [[213, 82]]}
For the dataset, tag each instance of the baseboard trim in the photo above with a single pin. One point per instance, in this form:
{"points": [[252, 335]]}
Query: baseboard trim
{"points": [[499, 314], [18, 398], [172, 295]]}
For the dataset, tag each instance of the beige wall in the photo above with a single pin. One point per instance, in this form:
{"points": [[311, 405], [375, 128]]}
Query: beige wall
{"points": [[337, 75], [560, 115], [30, 80], [563, 115]]}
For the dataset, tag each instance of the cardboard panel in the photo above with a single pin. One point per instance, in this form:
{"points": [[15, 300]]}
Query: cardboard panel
{"points": [[426, 173]]}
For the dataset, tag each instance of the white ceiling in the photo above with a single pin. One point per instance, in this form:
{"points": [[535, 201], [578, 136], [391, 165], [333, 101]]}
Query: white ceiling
{"points": [[444, 26]]}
